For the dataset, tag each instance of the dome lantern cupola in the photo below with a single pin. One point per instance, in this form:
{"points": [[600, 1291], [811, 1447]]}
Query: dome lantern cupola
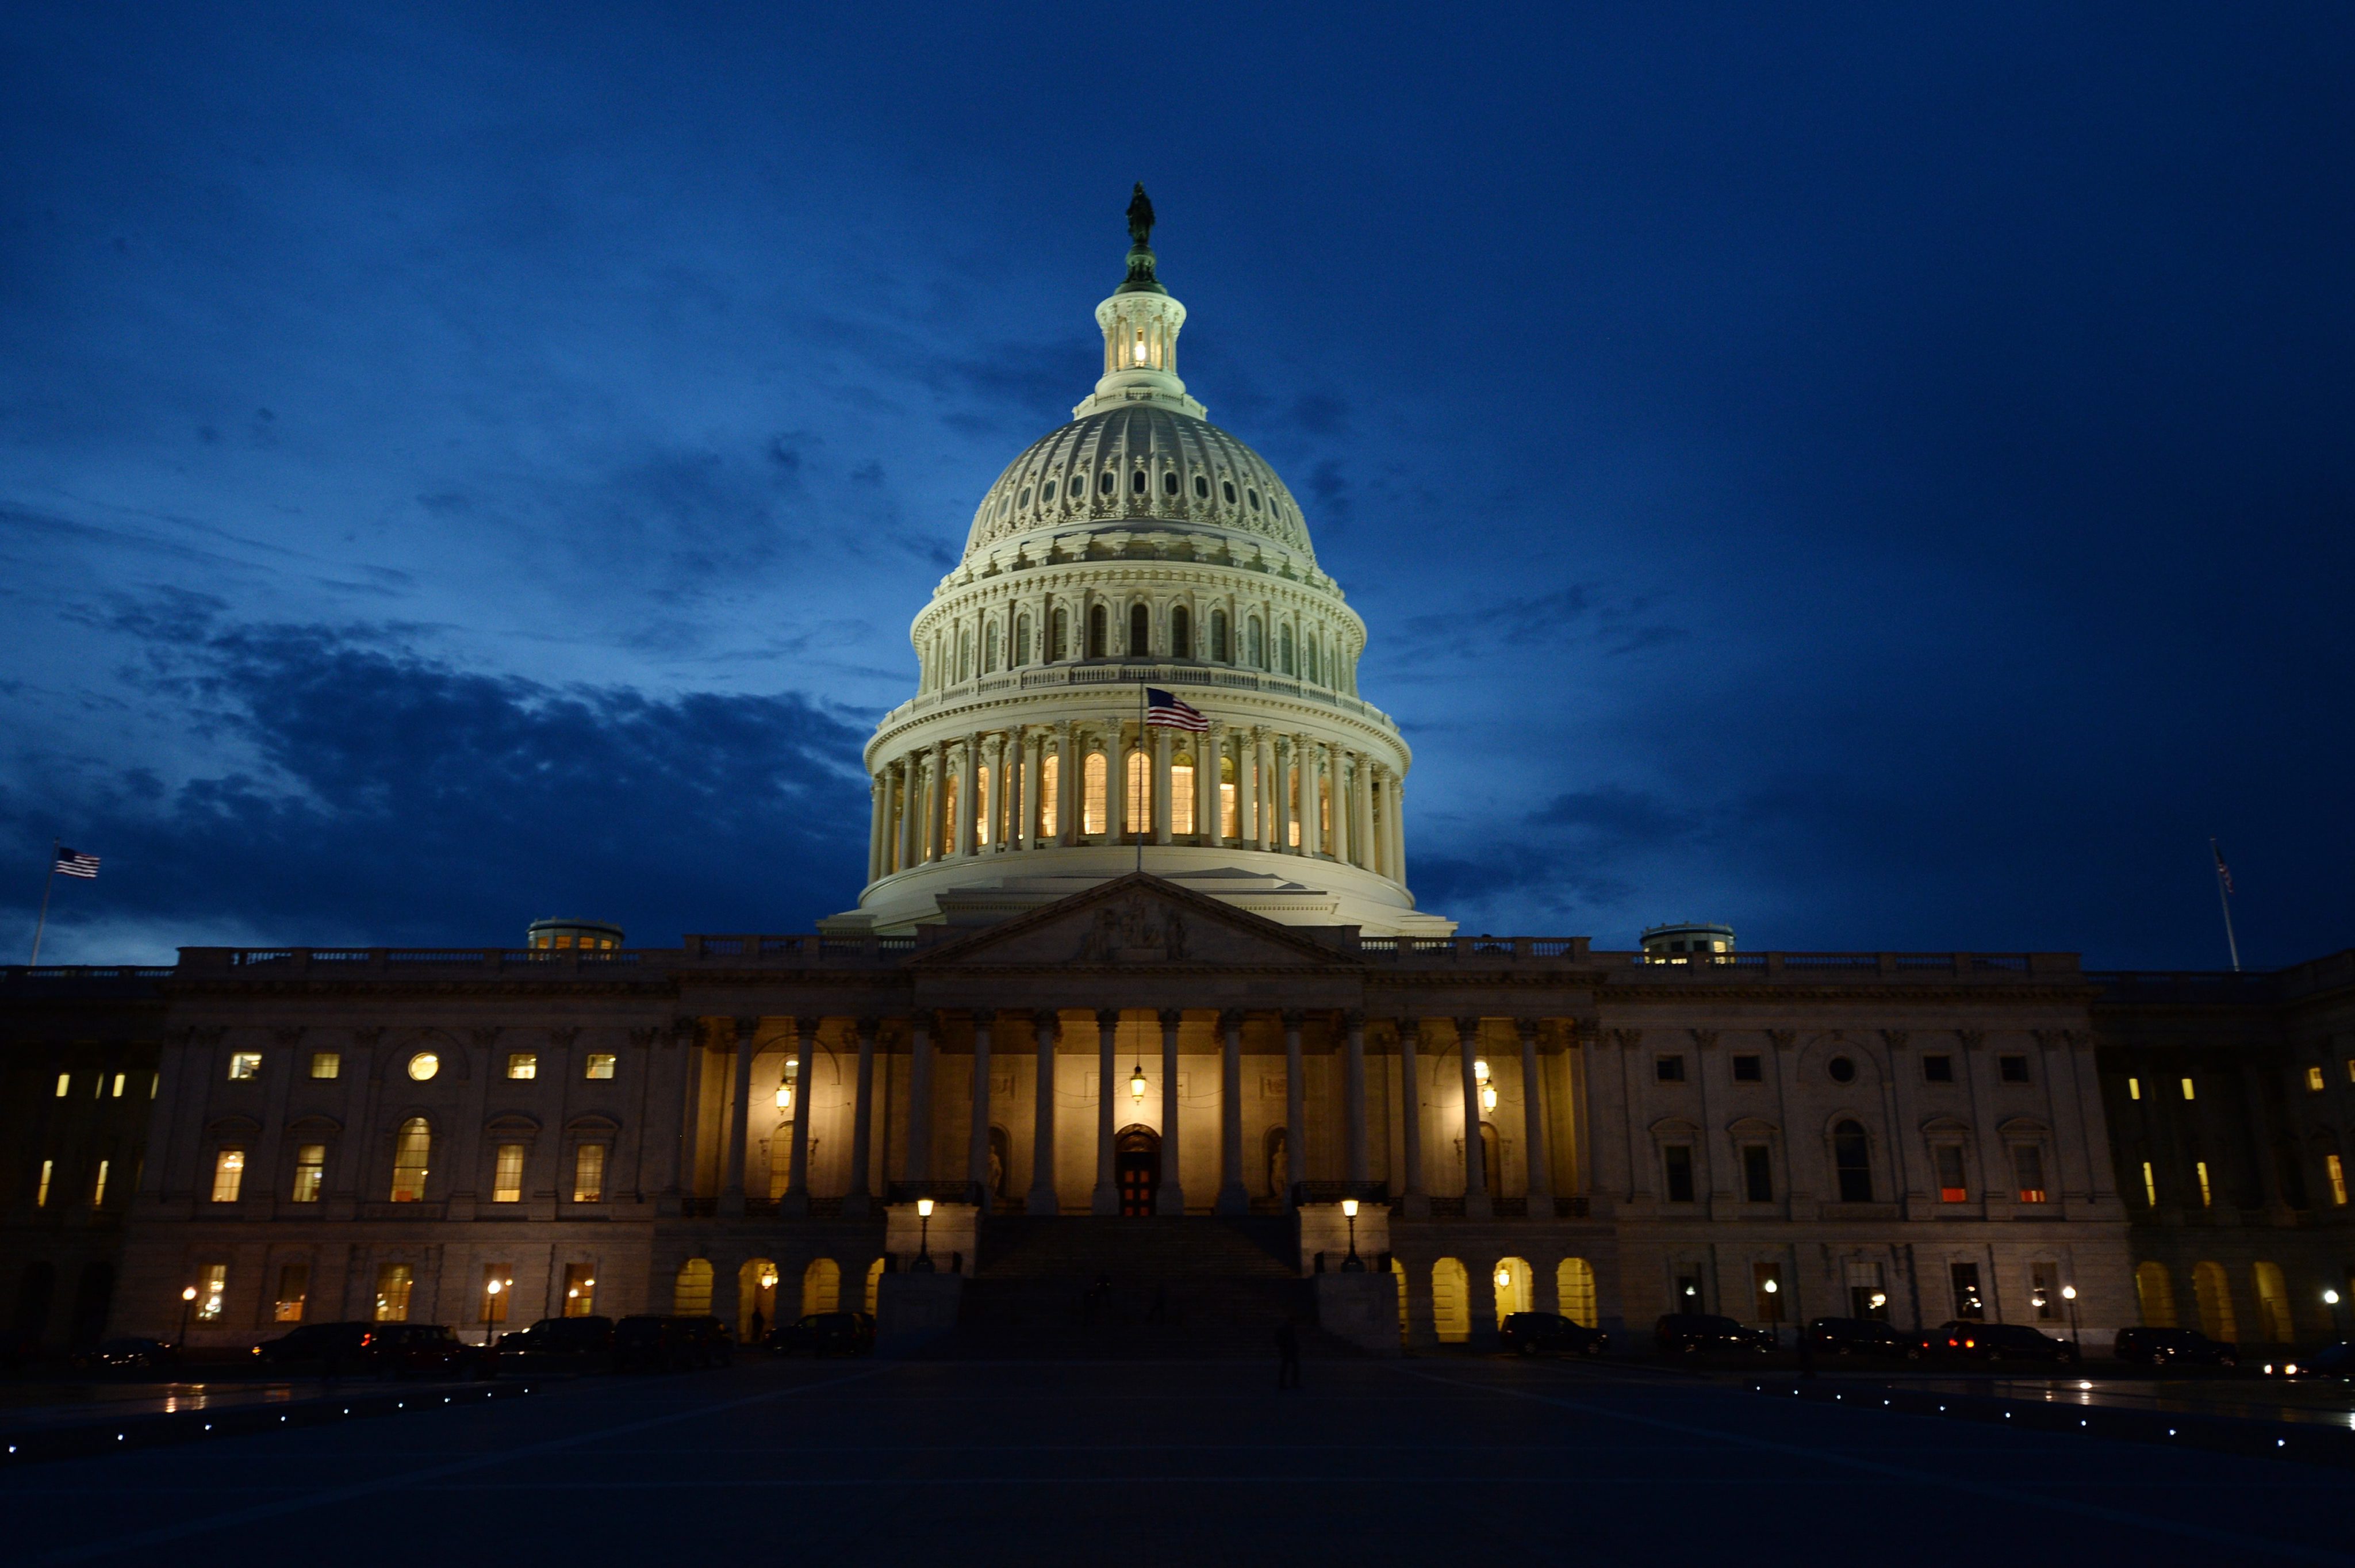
{"points": [[1140, 323]]}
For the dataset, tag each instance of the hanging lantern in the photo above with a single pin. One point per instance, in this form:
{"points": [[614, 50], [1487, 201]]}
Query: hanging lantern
{"points": [[1136, 1084]]}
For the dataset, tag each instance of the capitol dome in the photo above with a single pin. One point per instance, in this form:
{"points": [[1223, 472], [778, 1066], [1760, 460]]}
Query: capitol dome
{"points": [[1139, 548]]}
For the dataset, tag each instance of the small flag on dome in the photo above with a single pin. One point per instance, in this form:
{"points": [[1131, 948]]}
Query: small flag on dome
{"points": [[74, 863], [1162, 709]]}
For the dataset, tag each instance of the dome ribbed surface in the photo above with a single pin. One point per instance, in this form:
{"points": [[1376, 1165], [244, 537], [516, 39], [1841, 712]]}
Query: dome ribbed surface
{"points": [[1092, 466]]}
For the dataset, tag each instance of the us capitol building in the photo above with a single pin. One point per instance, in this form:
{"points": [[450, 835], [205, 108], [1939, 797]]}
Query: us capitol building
{"points": [[1157, 1004]]}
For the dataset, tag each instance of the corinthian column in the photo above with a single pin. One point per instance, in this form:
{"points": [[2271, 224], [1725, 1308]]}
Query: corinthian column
{"points": [[1312, 791], [876, 790], [1161, 802], [1106, 1197], [1533, 1116], [1046, 1024], [1210, 812], [1067, 783], [1233, 1198], [1414, 1202], [1475, 1163], [1026, 835], [1265, 810], [1171, 1200], [976, 1156]]}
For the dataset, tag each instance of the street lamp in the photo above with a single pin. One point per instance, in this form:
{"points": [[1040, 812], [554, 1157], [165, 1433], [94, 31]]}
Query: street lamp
{"points": [[924, 1264], [2330, 1299], [2069, 1294], [1774, 1288], [491, 1288], [1353, 1264], [188, 1306]]}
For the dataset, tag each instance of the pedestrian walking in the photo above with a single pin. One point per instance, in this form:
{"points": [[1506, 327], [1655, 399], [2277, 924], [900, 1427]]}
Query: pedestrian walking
{"points": [[1287, 1355]]}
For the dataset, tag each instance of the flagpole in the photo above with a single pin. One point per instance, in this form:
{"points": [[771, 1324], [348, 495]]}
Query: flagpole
{"points": [[2224, 897], [50, 881]]}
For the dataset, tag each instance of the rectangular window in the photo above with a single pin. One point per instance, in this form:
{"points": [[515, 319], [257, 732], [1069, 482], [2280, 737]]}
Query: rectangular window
{"points": [[1867, 1295], [2044, 1291], [580, 1290], [65, 1084], [41, 1193], [601, 1065], [393, 1283], [2199, 1170], [310, 1172], [1181, 797], [121, 1078], [2028, 1167], [2134, 1088], [506, 1183], [245, 1064], [98, 1185], [1292, 809], [589, 1174], [498, 1284], [1952, 1186], [1749, 1069], [523, 1064], [1669, 1069], [1937, 1070], [212, 1292], [229, 1175], [2314, 1079], [1092, 793], [1051, 771], [2149, 1185], [1757, 1173], [2012, 1069], [1968, 1306], [1766, 1288], [1231, 822], [293, 1288], [2188, 1093], [327, 1064], [2337, 1172], [1680, 1172]]}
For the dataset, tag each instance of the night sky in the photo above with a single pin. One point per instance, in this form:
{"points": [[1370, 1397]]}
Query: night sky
{"points": [[1877, 476]]}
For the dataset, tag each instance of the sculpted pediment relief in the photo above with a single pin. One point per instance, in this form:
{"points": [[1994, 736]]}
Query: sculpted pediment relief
{"points": [[1136, 922]]}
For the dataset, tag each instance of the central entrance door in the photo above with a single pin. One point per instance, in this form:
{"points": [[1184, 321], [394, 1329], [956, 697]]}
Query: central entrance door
{"points": [[1136, 1167]]}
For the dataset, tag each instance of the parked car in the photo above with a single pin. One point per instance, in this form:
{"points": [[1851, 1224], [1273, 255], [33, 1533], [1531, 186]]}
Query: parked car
{"points": [[560, 1344], [331, 1348], [1701, 1333], [2332, 1361], [130, 1355], [2002, 1342], [670, 1342], [1550, 1334], [1864, 1337], [714, 1343], [429, 1351], [2164, 1347], [824, 1334]]}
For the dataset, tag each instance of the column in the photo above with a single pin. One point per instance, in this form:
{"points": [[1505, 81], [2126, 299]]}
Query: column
{"points": [[1414, 1202], [1161, 753], [976, 1152], [1335, 765], [1116, 784], [1025, 836], [1233, 1198], [1247, 786], [1067, 783], [1541, 1154], [1279, 817], [1295, 1113], [988, 814], [1172, 1196], [876, 790], [1045, 1025], [1353, 1091], [862, 1122], [936, 804], [1106, 1198], [739, 1110], [919, 1098], [805, 1108], [1361, 811], [1270, 834], [1209, 811], [968, 767], [911, 809], [1476, 1164], [1398, 831]]}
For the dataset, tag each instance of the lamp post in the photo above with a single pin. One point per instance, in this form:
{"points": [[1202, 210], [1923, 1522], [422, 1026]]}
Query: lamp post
{"points": [[491, 1288], [187, 1307], [1774, 1289], [1353, 1264], [924, 1264], [2330, 1299], [2069, 1294]]}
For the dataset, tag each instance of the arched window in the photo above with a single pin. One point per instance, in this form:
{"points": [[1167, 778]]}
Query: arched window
{"points": [[1136, 481], [1227, 488], [1050, 774], [821, 1286], [1516, 1287], [1181, 633], [990, 648], [1314, 663], [874, 1284], [1022, 640], [1047, 491], [1140, 631], [1092, 793], [1283, 651], [1097, 633], [1254, 651], [411, 1151], [981, 805], [691, 1293], [1169, 481], [2273, 1303], [1451, 1302], [964, 656], [1230, 819], [1140, 792], [1852, 1162], [2214, 1293], [2156, 1292], [1181, 793], [1105, 483], [1059, 649], [1202, 487], [1219, 635], [1574, 1281]]}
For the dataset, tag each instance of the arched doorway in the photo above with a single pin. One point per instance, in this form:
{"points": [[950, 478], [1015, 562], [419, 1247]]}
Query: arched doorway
{"points": [[1136, 1169]]}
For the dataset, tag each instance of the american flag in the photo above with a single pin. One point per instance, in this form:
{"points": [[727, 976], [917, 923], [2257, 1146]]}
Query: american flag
{"points": [[74, 863], [1161, 708], [2223, 872]]}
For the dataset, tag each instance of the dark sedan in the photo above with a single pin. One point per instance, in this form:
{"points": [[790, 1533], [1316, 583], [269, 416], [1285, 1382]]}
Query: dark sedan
{"points": [[825, 1334], [1693, 1334], [330, 1347], [2165, 1347], [1862, 1336], [1550, 1334], [560, 1344], [670, 1342], [130, 1355], [2002, 1342]]}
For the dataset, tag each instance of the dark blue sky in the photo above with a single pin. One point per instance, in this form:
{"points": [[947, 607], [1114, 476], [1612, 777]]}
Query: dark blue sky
{"points": [[1879, 476]]}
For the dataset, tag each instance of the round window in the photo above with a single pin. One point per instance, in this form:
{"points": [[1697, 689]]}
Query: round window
{"points": [[1229, 486], [424, 1065], [1842, 1069], [1047, 494], [1202, 487]]}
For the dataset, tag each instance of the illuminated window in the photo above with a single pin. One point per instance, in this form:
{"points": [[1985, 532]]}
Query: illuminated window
{"points": [[410, 1152], [1575, 1284], [1092, 793], [523, 1064], [2213, 1292], [2314, 1079], [2134, 1088], [1969, 1305], [393, 1283], [2187, 1090], [949, 793], [1022, 640], [2273, 1303], [691, 1293], [1140, 792], [2199, 1168], [65, 1084], [1749, 1069], [98, 1185], [506, 1182], [589, 1174], [1231, 822], [327, 1064], [2149, 1185], [2337, 1174], [310, 1172], [1952, 1186], [1049, 777], [1181, 795], [2027, 1171], [2351, 1069], [580, 1290], [245, 1064], [229, 1175], [1292, 801], [41, 1192], [599, 1064], [424, 1065], [2156, 1292], [1283, 660], [1938, 1070], [120, 1079], [2044, 1291], [981, 806], [212, 1289], [293, 1289]]}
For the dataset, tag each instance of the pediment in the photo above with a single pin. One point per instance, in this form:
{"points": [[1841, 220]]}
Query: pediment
{"points": [[1136, 922]]}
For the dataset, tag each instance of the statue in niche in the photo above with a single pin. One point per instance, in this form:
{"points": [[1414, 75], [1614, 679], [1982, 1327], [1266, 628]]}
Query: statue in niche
{"points": [[1279, 1161]]}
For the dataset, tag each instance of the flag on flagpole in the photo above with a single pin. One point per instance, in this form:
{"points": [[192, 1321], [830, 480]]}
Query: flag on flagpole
{"points": [[2223, 872], [1162, 709], [74, 863]]}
